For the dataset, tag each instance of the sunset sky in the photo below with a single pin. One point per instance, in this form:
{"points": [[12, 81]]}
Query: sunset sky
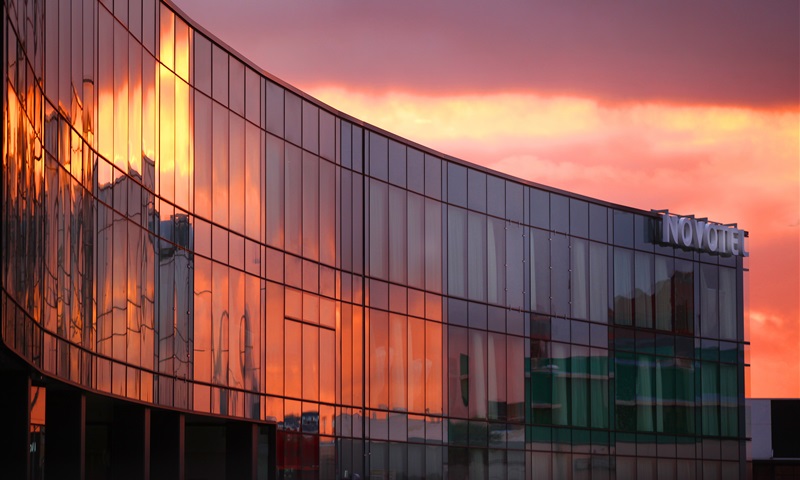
{"points": [[688, 105]]}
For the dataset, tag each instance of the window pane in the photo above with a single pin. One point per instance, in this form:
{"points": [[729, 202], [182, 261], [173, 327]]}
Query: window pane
{"points": [[433, 368], [476, 256], [598, 282], [684, 296], [623, 286], [293, 199], [456, 251], [397, 235], [644, 290], [416, 365], [293, 349], [727, 303], [540, 271], [310, 206], [579, 278], [664, 271], [310, 345], [378, 230], [398, 352], [496, 257], [378, 359], [416, 241], [433, 246]]}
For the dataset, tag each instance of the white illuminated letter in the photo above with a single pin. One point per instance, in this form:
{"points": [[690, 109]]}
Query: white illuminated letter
{"points": [[745, 253], [686, 231], [669, 229], [711, 238], [733, 241], [699, 234]]}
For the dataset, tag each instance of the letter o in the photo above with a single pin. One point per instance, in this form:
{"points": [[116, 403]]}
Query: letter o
{"points": [[712, 240], [685, 225]]}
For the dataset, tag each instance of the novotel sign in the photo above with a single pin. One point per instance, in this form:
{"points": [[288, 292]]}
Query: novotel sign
{"points": [[690, 232]]}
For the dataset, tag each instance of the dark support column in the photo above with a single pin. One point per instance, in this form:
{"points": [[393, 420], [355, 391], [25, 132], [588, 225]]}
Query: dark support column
{"points": [[14, 423], [241, 450], [167, 445], [130, 438], [65, 433]]}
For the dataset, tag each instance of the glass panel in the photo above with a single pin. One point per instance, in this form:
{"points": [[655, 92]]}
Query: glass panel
{"points": [[416, 365], [476, 257], [253, 96], [514, 202], [274, 109], [416, 241], [310, 362], [710, 394], [456, 184], [433, 177], [219, 74], [310, 127], [598, 223], [540, 270], [645, 393], [275, 194], [433, 368], [579, 278], [598, 282], [623, 229], [293, 199], [415, 169], [559, 213], [515, 379], [644, 290], [293, 118], [559, 260], [236, 86], [378, 157], [202, 156], [253, 188], [220, 165], [378, 359], [623, 286], [664, 271], [310, 206], [496, 196], [456, 251], [327, 136], [727, 303], [496, 257], [515, 261], [237, 185], [709, 308], [378, 229], [327, 213], [273, 364], [458, 372], [293, 349], [476, 190], [398, 352], [397, 163], [397, 235], [684, 296], [497, 377]]}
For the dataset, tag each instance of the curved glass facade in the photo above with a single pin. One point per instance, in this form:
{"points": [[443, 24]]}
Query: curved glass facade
{"points": [[183, 230]]}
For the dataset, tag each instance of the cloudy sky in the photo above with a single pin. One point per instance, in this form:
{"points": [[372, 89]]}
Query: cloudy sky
{"points": [[688, 105]]}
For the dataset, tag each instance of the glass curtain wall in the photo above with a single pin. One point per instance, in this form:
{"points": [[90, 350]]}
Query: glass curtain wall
{"points": [[182, 229]]}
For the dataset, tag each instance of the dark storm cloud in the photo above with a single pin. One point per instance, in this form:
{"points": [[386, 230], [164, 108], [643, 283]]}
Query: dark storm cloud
{"points": [[720, 52]]}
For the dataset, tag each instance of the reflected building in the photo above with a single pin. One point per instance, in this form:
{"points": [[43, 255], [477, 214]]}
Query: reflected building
{"points": [[208, 273]]}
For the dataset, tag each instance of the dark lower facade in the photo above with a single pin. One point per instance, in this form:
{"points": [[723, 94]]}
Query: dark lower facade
{"points": [[258, 285]]}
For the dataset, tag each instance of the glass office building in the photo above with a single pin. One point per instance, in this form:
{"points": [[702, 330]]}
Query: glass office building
{"points": [[247, 282]]}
